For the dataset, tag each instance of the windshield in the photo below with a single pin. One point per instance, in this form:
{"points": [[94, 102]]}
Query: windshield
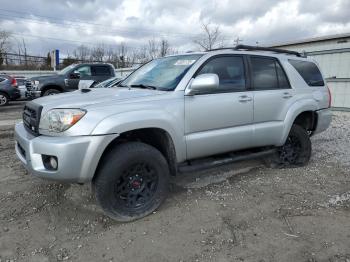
{"points": [[163, 73], [66, 69]]}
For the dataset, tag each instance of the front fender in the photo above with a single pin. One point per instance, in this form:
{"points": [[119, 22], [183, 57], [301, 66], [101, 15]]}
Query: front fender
{"points": [[128, 121], [296, 109]]}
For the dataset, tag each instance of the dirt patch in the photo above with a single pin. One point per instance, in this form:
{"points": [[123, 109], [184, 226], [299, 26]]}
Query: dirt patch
{"points": [[240, 212]]}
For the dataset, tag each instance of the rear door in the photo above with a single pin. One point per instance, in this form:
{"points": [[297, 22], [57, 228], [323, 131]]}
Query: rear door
{"points": [[222, 121], [100, 73], [273, 96]]}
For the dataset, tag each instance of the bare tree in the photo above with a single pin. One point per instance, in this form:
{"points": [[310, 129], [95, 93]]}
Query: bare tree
{"points": [[4, 45], [210, 38], [81, 53], [152, 48], [164, 47], [97, 53]]}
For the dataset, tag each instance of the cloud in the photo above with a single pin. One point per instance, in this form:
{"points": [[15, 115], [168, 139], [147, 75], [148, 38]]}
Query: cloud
{"points": [[47, 25]]}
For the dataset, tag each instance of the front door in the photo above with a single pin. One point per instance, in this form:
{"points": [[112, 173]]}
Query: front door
{"points": [[84, 73], [222, 121]]}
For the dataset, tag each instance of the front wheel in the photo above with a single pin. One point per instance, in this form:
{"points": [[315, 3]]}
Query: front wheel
{"points": [[295, 152], [132, 181], [51, 92]]}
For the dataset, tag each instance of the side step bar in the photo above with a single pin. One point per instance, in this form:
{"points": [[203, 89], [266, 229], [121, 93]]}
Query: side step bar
{"points": [[198, 165]]}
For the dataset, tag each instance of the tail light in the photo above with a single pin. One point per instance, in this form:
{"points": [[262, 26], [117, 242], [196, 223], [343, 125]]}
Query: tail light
{"points": [[329, 97], [14, 82]]}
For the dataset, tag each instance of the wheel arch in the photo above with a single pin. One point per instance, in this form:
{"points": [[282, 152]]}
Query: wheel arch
{"points": [[51, 86], [302, 113], [156, 137]]}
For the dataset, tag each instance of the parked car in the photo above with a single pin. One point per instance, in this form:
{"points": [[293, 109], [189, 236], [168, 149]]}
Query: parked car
{"points": [[68, 79], [8, 89], [176, 114], [21, 83]]}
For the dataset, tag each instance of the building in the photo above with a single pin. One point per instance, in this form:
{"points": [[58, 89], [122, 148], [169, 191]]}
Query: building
{"points": [[333, 56]]}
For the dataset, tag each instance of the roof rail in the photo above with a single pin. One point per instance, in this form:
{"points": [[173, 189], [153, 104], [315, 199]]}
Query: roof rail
{"points": [[270, 49], [258, 48]]}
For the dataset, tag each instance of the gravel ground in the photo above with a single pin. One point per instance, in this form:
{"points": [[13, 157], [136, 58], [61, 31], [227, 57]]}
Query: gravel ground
{"points": [[241, 212]]}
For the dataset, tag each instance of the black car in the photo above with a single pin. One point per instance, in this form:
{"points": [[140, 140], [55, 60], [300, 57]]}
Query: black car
{"points": [[68, 79], [8, 89]]}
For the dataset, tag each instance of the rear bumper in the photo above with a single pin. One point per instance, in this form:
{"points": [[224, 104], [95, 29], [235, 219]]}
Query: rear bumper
{"points": [[77, 157], [324, 119]]}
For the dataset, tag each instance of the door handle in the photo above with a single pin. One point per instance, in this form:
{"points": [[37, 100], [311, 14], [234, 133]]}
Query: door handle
{"points": [[244, 99], [287, 95]]}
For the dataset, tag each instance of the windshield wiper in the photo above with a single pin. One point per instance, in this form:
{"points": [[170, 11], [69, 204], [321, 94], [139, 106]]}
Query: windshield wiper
{"points": [[144, 86]]}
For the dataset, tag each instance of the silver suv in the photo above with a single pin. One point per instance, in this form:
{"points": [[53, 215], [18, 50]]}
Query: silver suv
{"points": [[176, 114]]}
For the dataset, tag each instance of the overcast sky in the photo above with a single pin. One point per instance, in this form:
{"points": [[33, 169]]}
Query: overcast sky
{"points": [[62, 24]]}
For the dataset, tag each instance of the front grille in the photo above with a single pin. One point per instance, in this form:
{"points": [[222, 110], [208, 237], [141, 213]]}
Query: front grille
{"points": [[31, 117], [29, 86]]}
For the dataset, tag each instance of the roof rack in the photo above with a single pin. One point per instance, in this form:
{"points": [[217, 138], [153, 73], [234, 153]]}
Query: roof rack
{"points": [[258, 48]]}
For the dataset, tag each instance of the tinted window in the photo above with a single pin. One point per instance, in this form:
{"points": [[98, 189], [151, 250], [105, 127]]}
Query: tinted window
{"points": [[101, 71], [230, 70], [83, 71], [2, 79], [283, 82], [309, 72], [264, 73]]}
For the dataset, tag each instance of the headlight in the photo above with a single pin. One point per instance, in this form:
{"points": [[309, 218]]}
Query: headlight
{"points": [[59, 120], [35, 82]]}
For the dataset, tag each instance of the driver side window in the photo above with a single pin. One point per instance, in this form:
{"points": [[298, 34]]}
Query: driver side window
{"points": [[230, 70], [83, 71]]}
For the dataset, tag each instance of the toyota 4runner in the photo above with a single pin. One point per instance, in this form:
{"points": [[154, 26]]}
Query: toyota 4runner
{"points": [[176, 114]]}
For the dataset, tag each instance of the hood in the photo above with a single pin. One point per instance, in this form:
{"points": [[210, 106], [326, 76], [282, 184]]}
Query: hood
{"points": [[95, 98], [45, 77]]}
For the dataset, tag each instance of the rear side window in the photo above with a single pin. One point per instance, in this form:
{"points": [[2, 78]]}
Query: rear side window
{"points": [[309, 72], [230, 70], [267, 74], [101, 71]]}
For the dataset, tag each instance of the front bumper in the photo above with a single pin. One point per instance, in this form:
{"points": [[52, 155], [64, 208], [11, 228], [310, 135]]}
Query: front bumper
{"points": [[77, 157], [324, 119], [32, 94]]}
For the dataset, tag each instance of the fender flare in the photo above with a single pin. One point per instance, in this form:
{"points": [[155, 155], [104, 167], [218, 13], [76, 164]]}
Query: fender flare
{"points": [[296, 109], [140, 119]]}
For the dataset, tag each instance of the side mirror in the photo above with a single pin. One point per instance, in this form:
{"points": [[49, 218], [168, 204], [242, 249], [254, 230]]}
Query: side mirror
{"points": [[202, 84], [74, 75]]}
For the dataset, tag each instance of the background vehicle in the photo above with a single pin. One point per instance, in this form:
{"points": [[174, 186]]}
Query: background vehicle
{"points": [[68, 79], [8, 89], [176, 114], [21, 83]]}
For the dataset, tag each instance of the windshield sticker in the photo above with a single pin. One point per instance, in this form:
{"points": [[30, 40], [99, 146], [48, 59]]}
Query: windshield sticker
{"points": [[184, 62]]}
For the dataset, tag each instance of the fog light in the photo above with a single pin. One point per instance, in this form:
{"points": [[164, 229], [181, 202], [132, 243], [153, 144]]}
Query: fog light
{"points": [[50, 162], [53, 162]]}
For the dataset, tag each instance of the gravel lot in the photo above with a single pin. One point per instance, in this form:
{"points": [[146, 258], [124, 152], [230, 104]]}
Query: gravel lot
{"points": [[241, 212]]}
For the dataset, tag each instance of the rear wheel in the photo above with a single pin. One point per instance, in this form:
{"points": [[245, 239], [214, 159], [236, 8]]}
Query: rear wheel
{"points": [[4, 99], [51, 91], [132, 181], [295, 152]]}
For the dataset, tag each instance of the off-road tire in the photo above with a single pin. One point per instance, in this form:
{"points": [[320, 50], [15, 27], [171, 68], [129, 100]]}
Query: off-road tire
{"points": [[296, 151], [131, 159]]}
